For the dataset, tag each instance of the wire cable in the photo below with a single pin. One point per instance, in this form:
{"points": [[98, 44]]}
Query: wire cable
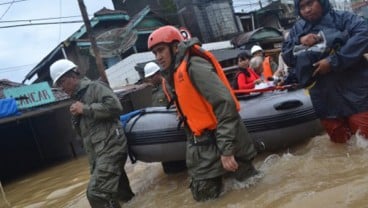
{"points": [[60, 11], [40, 19], [14, 1], [6, 11], [16, 68], [44, 23]]}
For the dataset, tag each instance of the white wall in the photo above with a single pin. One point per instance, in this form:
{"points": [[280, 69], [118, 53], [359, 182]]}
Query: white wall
{"points": [[123, 73]]}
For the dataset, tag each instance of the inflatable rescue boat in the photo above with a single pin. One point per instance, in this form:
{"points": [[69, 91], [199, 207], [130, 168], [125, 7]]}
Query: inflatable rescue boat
{"points": [[275, 120]]}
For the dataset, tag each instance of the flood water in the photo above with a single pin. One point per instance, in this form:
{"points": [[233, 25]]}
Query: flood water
{"points": [[317, 173]]}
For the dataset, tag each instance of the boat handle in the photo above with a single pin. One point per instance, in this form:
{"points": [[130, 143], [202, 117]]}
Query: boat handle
{"points": [[289, 104]]}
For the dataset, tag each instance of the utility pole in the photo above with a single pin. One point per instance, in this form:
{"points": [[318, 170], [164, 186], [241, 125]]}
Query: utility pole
{"points": [[92, 39]]}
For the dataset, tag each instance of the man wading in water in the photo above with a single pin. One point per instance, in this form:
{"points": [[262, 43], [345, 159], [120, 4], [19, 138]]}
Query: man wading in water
{"points": [[336, 74], [95, 116], [218, 142]]}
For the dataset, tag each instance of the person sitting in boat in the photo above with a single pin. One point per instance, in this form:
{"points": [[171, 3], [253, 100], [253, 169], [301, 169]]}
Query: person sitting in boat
{"points": [[218, 142], [160, 97], [269, 65], [245, 78], [339, 72], [256, 63]]}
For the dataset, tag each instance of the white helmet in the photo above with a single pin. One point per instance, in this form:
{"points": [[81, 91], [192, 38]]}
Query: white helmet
{"points": [[255, 49], [150, 69], [59, 68]]}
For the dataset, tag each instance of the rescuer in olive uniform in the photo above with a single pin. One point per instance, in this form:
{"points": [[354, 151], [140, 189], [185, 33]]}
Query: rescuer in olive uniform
{"points": [[161, 97], [218, 142], [95, 117]]}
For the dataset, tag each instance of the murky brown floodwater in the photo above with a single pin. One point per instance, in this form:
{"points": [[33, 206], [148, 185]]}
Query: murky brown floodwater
{"points": [[316, 174]]}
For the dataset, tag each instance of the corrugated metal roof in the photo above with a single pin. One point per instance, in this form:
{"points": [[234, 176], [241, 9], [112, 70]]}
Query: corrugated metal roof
{"points": [[258, 36], [226, 54], [241, 6], [4, 84], [100, 16], [104, 11]]}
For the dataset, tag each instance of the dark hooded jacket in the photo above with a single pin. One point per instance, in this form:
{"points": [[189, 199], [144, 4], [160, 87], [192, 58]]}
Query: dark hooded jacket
{"points": [[344, 90]]}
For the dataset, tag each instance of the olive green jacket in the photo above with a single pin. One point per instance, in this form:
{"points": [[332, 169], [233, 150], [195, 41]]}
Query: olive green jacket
{"points": [[100, 118], [231, 136], [158, 96]]}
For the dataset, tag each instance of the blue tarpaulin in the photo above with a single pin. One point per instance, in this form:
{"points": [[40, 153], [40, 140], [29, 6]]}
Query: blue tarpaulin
{"points": [[126, 117], [8, 107]]}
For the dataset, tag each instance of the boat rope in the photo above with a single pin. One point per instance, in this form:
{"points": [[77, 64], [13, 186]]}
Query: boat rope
{"points": [[136, 119], [142, 112], [3, 195], [138, 113]]}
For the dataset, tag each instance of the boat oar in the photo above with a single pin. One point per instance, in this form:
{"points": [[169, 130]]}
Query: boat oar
{"points": [[268, 89]]}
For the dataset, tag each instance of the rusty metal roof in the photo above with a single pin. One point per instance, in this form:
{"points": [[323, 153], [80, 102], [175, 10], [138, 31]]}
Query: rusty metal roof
{"points": [[4, 84], [104, 11], [259, 36]]}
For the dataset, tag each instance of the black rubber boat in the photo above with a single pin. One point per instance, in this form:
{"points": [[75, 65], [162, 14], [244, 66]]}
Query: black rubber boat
{"points": [[275, 120]]}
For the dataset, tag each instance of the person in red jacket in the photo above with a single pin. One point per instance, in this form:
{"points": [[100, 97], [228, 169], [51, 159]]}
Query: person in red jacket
{"points": [[246, 78]]}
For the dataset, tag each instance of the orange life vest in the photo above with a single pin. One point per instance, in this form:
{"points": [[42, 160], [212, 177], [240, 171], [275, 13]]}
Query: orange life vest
{"points": [[267, 70], [165, 90], [195, 109]]}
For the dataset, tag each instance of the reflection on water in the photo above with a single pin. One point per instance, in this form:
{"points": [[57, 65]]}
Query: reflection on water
{"points": [[315, 174], [53, 187]]}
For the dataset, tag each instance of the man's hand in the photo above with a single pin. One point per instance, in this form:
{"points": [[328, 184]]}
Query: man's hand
{"points": [[310, 39], [258, 81], [321, 67], [229, 163], [76, 108]]}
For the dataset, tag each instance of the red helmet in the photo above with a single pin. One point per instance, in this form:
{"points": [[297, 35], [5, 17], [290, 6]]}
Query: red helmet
{"points": [[165, 34]]}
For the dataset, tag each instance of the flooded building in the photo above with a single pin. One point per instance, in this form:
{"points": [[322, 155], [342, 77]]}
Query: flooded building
{"points": [[117, 35], [165, 9], [253, 14], [210, 21], [38, 133]]}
